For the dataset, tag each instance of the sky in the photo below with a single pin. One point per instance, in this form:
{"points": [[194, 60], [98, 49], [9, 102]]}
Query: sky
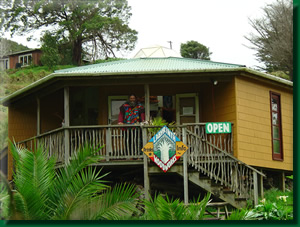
{"points": [[220, 25]]}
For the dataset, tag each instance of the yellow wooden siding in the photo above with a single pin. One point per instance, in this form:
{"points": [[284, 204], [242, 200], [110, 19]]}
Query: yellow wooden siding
{"points": [[254, 139], [222, 107], [21, 125]]}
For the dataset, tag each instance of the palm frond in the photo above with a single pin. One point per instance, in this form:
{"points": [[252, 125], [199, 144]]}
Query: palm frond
{"points": [[6, 198], [196, 208], [170, 209], [33, 178], [84, 186], [75, 191], [117, 203], [77, 183], [161, 208]]}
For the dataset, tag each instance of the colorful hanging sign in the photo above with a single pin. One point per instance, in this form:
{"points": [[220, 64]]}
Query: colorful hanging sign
{"points": [[164, 148]]}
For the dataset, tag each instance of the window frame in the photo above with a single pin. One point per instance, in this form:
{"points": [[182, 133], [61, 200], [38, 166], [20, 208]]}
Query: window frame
{"points": [[276, 156], [29, 62]]}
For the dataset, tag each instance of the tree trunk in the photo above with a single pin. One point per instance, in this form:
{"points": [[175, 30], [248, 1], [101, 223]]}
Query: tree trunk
{"points": [[77, 51]]}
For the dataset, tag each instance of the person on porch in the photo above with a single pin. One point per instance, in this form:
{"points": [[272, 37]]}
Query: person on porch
{"points": [[132, 112]]}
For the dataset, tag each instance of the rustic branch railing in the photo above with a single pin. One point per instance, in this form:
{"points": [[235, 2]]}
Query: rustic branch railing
{"points": [[213, 156], [120, 142]]}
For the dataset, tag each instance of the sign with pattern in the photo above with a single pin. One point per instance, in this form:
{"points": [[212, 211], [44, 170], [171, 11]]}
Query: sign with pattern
{"points": [[164, 148]]}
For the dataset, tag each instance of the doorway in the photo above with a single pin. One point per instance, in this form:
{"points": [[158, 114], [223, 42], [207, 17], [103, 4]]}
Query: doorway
{"points": [[187, 108], [114, 104]]}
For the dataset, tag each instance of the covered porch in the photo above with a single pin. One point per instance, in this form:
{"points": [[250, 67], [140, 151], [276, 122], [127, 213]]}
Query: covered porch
{"points": [[209, 156], [71, 113]]}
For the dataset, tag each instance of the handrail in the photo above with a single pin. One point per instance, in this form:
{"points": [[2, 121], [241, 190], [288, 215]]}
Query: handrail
{"points": [[139, 126], [226, 153], [235, 159], [220, 165], [95, 127], [42, 135]]}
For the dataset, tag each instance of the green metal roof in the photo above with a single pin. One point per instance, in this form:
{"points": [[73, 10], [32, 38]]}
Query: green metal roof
{"points": [[143, 66], [169, 64]]}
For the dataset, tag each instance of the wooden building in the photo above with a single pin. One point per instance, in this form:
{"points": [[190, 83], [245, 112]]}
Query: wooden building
{"points": [[72, 106], [25, 58], [4, 63]]}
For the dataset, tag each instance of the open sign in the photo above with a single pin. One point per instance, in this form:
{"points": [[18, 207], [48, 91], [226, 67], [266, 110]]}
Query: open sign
{"points": [[218, 127]]}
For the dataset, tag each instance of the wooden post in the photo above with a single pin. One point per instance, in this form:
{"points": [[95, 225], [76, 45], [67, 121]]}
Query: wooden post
{"points": [[67, 123], [261, 185], [185, 169], [146, 168], [255, 188], [282, 181], [147, 102]]}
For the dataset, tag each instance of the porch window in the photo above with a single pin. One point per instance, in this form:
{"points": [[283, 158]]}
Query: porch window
{"points": [[277, 151], [161, 106], [84, 106]]}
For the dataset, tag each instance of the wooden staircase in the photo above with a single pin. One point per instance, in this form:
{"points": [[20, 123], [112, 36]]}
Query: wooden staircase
{"points": [[213, 167], [217, 190]]}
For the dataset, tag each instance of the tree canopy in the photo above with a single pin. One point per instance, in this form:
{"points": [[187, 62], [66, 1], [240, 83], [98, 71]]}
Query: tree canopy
{"points": [[194, 49], [273, 37], [96, 27]]}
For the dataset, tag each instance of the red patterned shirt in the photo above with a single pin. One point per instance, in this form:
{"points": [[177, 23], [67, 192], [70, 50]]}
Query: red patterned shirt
{"points": [[130, 115]]}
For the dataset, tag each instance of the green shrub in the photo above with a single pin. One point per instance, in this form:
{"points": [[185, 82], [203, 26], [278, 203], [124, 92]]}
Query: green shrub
{"points": [[276, 205]]}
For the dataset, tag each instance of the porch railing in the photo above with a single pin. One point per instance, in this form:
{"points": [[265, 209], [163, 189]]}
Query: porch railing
{"points": [[211, 154], [120, 142]]}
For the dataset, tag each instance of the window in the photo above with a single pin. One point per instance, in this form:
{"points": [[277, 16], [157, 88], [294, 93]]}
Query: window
{"points": [[6, 64], [84, 106], [25, 60], [114, 103], [277, 151]]}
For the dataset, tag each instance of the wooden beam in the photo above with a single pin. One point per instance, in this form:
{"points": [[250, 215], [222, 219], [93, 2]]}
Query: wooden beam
{"points": [[147, 102], [146, 169], [108, 144], [261, 185], [185, 169], [67, 122], [282, 181], [255, 188], [153, 169]]}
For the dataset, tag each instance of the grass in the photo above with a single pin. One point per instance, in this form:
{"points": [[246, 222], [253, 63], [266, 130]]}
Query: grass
{"points": [[15, 79], [273, 195]]}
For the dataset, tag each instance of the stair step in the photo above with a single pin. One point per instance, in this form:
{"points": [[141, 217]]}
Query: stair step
{"points": [[202, 177], [224, 193], [228, 191], [214, 184]]}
